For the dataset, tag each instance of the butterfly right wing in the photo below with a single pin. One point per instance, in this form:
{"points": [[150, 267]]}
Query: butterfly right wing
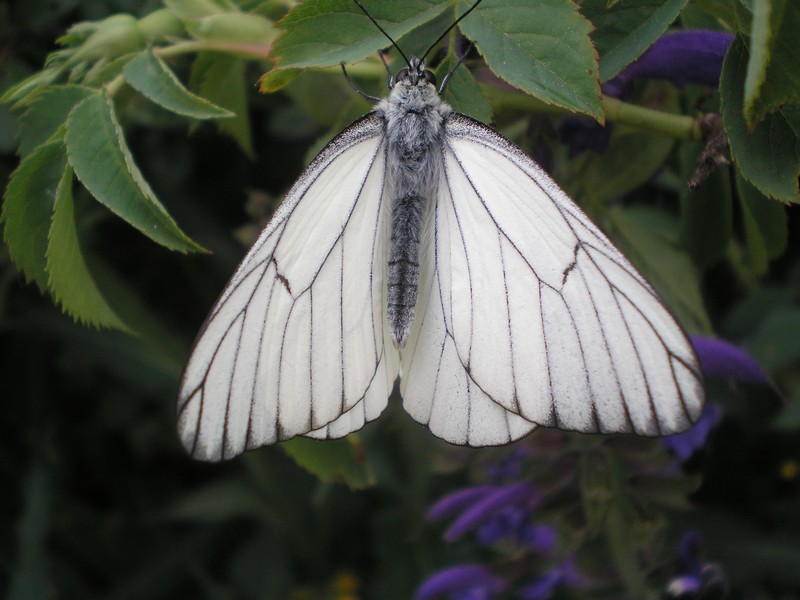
{"points": [[297, 344]]}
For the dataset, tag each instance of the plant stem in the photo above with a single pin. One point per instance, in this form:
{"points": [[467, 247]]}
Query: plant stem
{"points": [[648, 119], [617, 111]]}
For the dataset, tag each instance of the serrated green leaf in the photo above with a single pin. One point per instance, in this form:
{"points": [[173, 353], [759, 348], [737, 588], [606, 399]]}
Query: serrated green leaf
{"points": [[69, 278], [28, 208], [320, 33], [47, 112], [103, 163], [648, 237], [769, 156], [332, 460], [221, 79], [625, 30], [766, 228], [462, 92], [773, 78], [151, 77], [541, 47]]}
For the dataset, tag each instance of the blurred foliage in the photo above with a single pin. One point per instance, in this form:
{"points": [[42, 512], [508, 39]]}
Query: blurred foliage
{"points": [[98, 499]]}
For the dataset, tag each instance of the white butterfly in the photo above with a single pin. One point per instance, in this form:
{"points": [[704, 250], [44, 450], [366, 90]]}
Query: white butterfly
{"points": [[422, 244]]}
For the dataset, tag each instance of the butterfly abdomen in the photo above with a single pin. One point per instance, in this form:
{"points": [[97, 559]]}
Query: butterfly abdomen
{"points": [[414, 116]]}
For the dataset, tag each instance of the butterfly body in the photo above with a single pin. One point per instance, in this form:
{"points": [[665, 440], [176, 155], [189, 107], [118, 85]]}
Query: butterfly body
{"points": [[414, 117]]}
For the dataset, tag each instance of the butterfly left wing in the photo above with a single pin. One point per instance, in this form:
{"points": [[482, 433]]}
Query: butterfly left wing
{"points": [[528, 315], [298, 344]]}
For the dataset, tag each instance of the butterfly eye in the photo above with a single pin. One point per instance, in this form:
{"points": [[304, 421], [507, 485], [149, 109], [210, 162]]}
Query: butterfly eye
{"points": [[402, 75], [429, 76]]}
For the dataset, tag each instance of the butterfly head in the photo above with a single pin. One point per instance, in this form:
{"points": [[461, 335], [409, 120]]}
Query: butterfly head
{"points": [[415, 73]]}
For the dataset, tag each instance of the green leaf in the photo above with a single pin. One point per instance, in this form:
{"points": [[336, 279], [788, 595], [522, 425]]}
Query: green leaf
{"points": [[769, 156], [462, 92], [773, 78], [47, 112], [28, 208], [104, 165], [151, 77], [648, 237], [332, 460], [542, 47], [766, 228], [321, 33], [625, 30], [69, 278], [221, 79]]}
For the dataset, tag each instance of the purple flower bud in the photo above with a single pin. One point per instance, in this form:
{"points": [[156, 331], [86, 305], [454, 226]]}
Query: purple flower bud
{"points": [[457, 501], [475, 582], [489, 505], [719, 358]]}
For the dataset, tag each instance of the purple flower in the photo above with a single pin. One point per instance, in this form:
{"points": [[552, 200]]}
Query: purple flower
{"points": [[543, 587], [463, 582], [495, 513], [458, 501], [719, 358], [683, 445], [681, 57]]}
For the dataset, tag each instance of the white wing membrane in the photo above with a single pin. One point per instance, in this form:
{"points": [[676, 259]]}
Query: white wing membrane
{"points": [[531, 316], [297, 344]]}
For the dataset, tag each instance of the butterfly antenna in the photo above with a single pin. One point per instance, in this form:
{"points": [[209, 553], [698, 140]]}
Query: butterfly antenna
{"points": [[356, 89], [449, 29], [383, 31], [453, 70]]}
